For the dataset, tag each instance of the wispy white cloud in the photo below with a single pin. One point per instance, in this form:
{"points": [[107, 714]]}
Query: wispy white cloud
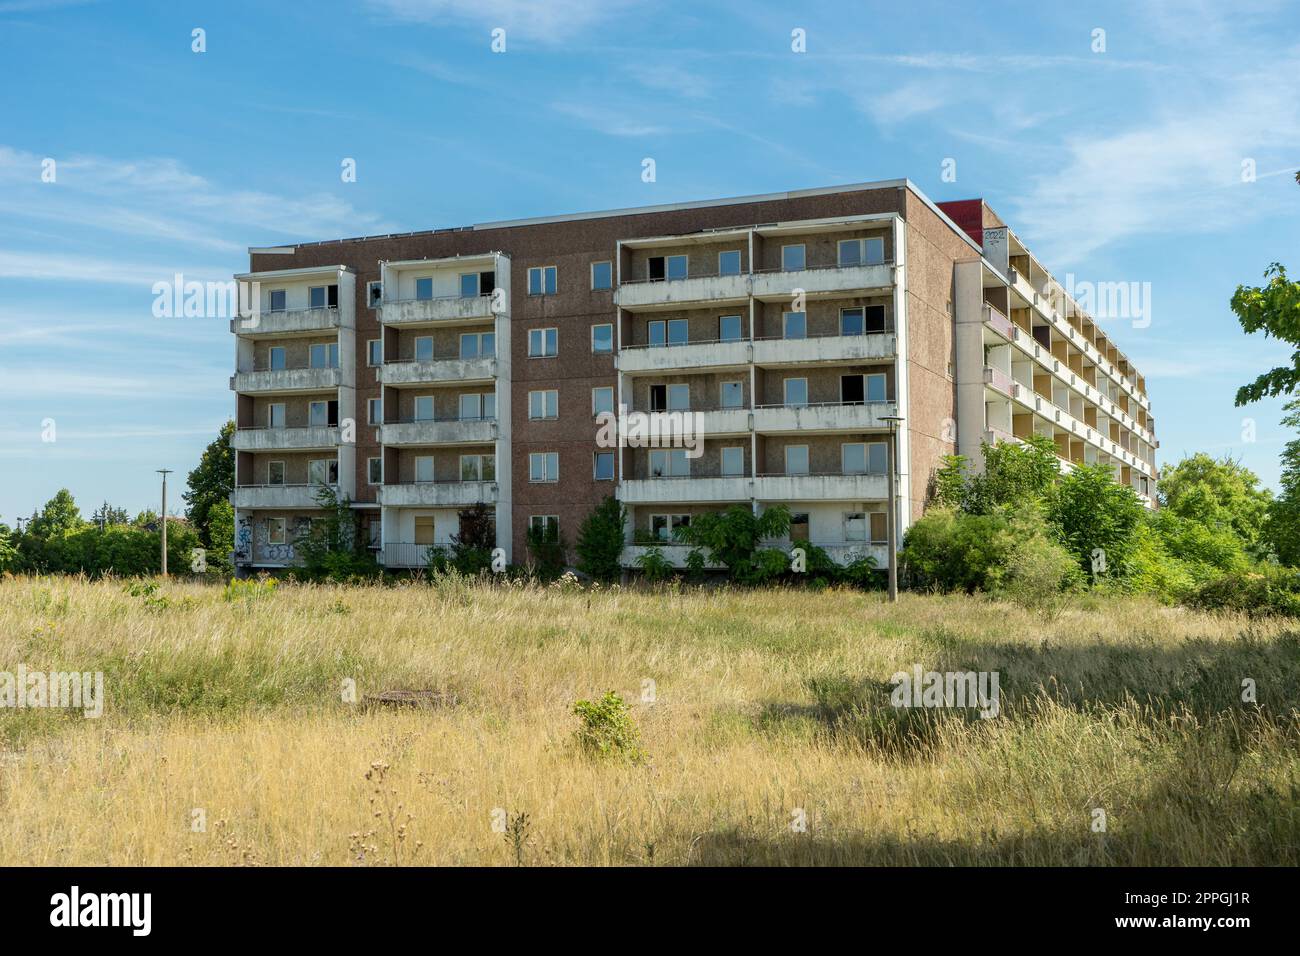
{"points": [[551, 21], [606, 120]]}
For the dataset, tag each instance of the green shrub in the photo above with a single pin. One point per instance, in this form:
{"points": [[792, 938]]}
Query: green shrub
{"points": [[1040, 574], [1266, 590], [600, 541], [607, 729], [654, 565], [546, 549]]}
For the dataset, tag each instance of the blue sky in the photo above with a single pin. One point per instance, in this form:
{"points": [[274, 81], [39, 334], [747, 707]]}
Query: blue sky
{"points": [[1122, 165]]}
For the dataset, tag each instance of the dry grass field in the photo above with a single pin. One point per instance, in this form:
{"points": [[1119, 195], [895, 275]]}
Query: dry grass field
{"points": [[225, 738]]}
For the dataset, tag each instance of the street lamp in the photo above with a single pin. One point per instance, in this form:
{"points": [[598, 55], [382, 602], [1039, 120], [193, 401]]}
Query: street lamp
{"points": [[164, 472], [891, 521]]}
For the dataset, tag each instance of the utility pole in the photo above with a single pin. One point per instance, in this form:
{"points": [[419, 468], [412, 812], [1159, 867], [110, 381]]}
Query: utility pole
{"points": [[164, 472], [891, 519]]}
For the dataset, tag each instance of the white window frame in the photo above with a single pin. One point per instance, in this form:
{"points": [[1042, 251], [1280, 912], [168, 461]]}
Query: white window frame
{"points": [[595, 470], [415, 347], [740, 322], [740, 261], [311, 414], [547, 460], [541, 272], [370, 479], [602, 388], [671, 522], [803, 254], [847, 518], [844, 450], [549, 397], [271, 353], [785, 391], [602, 325], [722, 392], [673, 463], [373, 404], [878, 444], [602, 288], [284, 471], [866, 387], [785, 326], [370, 352], [433, 469], [555, 336], [722, 460], [270, 300], [371, 301], [272, 535], [270, 415], [807, 460], [546, 520]]}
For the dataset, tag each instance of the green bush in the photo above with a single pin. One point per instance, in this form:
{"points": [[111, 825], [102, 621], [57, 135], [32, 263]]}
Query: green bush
{"points": [[1040, 574], [600, 541], [654, 565], [1266, 590], [607, 729]]}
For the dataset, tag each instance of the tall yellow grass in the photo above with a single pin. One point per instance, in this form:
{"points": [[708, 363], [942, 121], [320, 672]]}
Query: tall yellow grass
{"points": [[225, 738]]}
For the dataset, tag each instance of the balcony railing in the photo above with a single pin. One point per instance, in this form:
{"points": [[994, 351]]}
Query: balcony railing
{"points": [[280, 438], [408, 554]]}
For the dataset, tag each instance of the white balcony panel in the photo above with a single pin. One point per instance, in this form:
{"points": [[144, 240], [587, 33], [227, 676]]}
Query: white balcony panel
{"points": [[441, 370], [701, 355], [438, 494], [667, 490], [829, 348], [287, 380], [412, 312], [669, 292], [820, 487], [295, 322], [276, 496], [674, 553], [438, 433], [285, 439], [777, 285], [798, 418]]}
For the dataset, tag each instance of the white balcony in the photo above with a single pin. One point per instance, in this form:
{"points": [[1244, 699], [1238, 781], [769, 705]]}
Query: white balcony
{"points": [[438, 370], [874, 347], [267, 324], [694, 355], [449, 432], [286, 381], [845, 553], [668, 490], [835, 279], [673, 552], [438, 494], [414, 313], [284, 497], [820, 488], [310, 438], [675, 292], [830, 417]]}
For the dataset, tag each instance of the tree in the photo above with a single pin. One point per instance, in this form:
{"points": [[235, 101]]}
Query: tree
{"points": [[1014, 474], [600, 540], [106, 515], [211, 481], [59, 515], [546, 548], [1281, 531], [333, 548], [1217, 494], [733, 538], [1092, 511], [472, 545], [221, 531], [1273, 309]]}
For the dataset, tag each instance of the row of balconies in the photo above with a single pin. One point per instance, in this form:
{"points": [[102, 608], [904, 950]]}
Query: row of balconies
{"points": [[427, 494], [771, 285], [807, 351]]}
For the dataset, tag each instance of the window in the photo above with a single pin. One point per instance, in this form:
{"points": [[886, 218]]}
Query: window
{"points": [[853, 458], [602, 400], [424, 348], [667, 267], [318, 413], [875, 318], [424, 468], [852, 390], [799, 526], [796, 459], [542, 280], [323, 355], [733, 395], [469, 285], [548, 526], [542, 343], [733, 461], [729, 328], [375, 411], [275, 358], [275, 472], [603, 466], [855, 526], [424, 408], [670, 397], [275, 531], [662, 527], [478, 345], [796, 391], [792, 257], [323, 296], [424, 529], [544, 466], [602, 275], [862, 252], [375, 471], [478, 406], [375, 352], [876, 383], [478, 467], [729, 263], [602, 338], [678, 267], [851, 322], [879, 527], [323, 471], [374, 532], [794, 325], [544, 404], [424, 288], [374, 294], [275, 415], [877, 458], [279, 299], [669, 463], [668, 332]]}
